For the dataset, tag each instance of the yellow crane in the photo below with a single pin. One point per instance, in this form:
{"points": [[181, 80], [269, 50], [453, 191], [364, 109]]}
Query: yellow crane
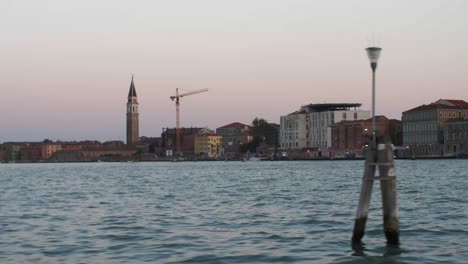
{"points": [[177, 97]]}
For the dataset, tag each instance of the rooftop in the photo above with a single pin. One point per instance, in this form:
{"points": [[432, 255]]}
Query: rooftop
{"points": [[452, 102], [329, 107], [433, 106], [234, 125], [378, 118], [298, 112]]}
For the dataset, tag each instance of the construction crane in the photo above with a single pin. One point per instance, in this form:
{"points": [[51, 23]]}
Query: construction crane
{"points": [[177, 102]]}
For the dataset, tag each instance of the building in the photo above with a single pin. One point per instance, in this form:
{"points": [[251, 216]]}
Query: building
{"points": [[12, 151], [168, 139], [294, 130], [234, 136], [107, 154], [208, 145], [2, 152], [234, 133], [423, 126], [31, 152], [351, 138], [48, 149], [310, 126], [132, 115], [456, 137]]}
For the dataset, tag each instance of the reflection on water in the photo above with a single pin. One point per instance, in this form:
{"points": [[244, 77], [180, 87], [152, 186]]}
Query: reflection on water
{"points": [[389, 252], [226, 212]]}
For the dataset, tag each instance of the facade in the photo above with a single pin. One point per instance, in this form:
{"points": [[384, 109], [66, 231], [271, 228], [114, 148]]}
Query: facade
{"points": [[2, 152], [132, 116], [234, 136], [168, 139], [208, 145], [49, 149], [11, 151], [107, 154], [31, 152], [294, 130], [309, 128], [423, 126], [322, 116], [351, 138], [67, 151], [234, 133], [456, 137]]}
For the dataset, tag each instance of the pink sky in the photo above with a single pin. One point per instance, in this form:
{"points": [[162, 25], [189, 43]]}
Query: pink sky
{"points": [[66, 65]]}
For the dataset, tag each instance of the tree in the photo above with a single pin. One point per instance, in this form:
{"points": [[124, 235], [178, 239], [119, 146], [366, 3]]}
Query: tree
{"points": [[262, 132]]}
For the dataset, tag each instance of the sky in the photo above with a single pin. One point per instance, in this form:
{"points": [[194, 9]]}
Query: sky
{"points": [[66, 65]]}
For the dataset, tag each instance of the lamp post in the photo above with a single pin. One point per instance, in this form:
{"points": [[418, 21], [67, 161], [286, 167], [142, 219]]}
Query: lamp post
{"points": [[374, 54]]}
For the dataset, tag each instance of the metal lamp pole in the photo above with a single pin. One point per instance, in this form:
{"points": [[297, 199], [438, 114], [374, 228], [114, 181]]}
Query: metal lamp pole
{"points": [[374, 54]]}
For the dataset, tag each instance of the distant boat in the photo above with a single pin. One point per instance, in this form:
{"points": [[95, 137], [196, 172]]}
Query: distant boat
{"points": [[462, 156], [254, 159]]}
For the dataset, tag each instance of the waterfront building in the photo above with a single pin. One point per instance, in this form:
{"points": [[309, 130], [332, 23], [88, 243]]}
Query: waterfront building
{"points": [[168, 139], [423, 126], [132, 115], [208, 145], [2, 152], [351, 138], [150, 145], [234, 134], [12, 151], [322, 116], [48, 149], [294, 130], [309, 128], [31, 152], [107, 154], [456, 137]]}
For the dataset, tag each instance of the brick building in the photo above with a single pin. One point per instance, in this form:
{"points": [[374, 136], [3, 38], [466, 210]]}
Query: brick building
{"points": [[168, 139], [309, 129], [352, 137]]}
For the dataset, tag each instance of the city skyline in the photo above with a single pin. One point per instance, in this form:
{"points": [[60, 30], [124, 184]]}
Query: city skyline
{"points": [[67, 66]]}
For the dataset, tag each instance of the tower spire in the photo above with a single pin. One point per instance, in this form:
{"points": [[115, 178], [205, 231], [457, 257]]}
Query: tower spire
{"points": [[132, 91]]}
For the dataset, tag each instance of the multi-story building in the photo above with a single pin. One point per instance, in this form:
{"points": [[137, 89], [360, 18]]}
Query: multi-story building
{"points": [[309, 128], [31, 152], [294, 130], [2, 152], [107, 154], [423, 126], [48, 149], [234, 134], [12, 151], [208, 145], [353, 137], [322, 116], [168, 139], [456, 137]]}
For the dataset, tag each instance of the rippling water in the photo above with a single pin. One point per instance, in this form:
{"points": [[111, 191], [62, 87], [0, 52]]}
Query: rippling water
{"points": [[226, 212]]}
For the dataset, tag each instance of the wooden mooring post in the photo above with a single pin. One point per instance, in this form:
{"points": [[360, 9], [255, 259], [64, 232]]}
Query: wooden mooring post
{"points": [[381, 157]]}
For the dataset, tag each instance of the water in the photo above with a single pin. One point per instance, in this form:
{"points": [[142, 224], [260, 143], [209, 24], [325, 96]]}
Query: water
{"points": [[226, 212]]}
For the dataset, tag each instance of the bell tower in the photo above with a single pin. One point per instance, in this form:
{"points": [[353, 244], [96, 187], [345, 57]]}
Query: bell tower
{"points": [[132, 115]]}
